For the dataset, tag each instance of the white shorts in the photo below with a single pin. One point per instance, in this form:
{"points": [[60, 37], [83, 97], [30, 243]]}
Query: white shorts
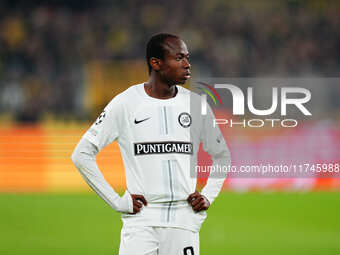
{"points": [[158, 241]]}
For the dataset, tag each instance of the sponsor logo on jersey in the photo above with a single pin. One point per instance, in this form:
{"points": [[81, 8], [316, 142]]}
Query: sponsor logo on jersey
{"points": [[139, 121], [163, 147], [184, 119]]}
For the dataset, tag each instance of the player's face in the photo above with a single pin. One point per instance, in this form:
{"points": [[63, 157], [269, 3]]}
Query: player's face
{"points": [[175, 68]]}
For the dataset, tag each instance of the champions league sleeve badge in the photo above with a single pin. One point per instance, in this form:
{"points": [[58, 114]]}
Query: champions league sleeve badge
{"points": [[100, 118], [184, 119]]}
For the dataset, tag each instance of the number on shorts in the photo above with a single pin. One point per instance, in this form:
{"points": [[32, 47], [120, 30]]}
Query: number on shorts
{"points": [[189, 248]]}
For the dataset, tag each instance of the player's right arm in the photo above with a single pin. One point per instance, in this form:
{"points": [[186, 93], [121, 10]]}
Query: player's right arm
{"points": [[84, 157], [105, 130]]}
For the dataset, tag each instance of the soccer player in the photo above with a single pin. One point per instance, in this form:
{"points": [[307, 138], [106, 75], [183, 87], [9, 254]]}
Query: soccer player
{"points": [[159, 127]]}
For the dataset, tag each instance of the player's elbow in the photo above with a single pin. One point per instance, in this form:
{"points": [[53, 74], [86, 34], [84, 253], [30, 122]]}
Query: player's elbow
{"points": [[223, 156], [84, 153], [75, 157]]}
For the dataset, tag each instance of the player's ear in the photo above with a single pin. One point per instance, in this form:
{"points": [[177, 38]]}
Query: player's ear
{"points": [[155, 63]]}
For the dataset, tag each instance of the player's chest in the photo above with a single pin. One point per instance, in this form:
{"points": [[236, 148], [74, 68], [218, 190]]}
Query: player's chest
{"points": [[154, 122]]}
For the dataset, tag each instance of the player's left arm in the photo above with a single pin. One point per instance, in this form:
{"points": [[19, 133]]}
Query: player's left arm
{"points": [[215, 145]]}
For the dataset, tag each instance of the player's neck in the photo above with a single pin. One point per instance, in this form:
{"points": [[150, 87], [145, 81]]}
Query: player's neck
{"points": [[160, 90]]}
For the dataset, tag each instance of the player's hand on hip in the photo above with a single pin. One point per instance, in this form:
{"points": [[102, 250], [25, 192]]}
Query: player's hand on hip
{"points": [[138, 201], [198, 202]]}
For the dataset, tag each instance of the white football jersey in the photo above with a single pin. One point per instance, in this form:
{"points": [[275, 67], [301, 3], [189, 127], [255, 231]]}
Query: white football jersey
{"points": [[159, 140]]}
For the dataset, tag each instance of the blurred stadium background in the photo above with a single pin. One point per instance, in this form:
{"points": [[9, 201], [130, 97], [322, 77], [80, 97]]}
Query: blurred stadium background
{"points": [[61, 62]]}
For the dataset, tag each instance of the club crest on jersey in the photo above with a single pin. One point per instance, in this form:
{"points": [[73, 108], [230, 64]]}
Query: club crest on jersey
{"points": [[100, 118], [184, 119]]}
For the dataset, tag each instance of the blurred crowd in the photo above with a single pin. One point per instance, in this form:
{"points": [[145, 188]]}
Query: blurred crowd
{"points": [[46, 48]]}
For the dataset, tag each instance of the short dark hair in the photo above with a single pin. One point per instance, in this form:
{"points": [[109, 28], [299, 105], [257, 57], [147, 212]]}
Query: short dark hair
{"points": [[154, 47]]}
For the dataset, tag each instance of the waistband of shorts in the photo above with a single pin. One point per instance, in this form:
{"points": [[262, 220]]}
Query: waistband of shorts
{"points": [[174, 204]]}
